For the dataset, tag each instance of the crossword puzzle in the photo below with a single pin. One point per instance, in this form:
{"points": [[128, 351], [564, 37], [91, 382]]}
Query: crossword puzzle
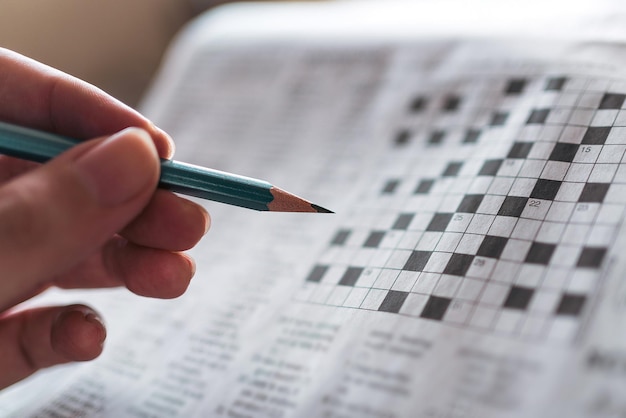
{"points": [[508, 230]]}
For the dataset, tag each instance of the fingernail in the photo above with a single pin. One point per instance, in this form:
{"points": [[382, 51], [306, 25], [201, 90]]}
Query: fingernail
{"points": [[192, 263], [94, 319], [120, 167], [165, 148]]}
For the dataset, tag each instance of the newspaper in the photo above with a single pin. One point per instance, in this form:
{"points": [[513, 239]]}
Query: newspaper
{"points": [[473, 267]]}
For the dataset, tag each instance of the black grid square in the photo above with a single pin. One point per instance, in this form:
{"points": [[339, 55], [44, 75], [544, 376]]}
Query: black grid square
{"points": [[424, 186], [402, 137], [513, 206], [317, 273], [515, 86], [436, 137], [459, 264], [596, 135], [538, 116], [591, 257], [418, 104], [545, 189], [439, 222], [374, 239], [435, 308], [594, 192], [452, 169], [393, 301], [563, 152], [451, 103], [555, 83], [520, 150], [471, 136], [499, 118], [390, 186], [612, 101], [470, 203], [417, 260], [540, 253], [403, 221], [351, 276], [341, 237], [571, 304], [490, 168], [518, 298], [492, 246]]}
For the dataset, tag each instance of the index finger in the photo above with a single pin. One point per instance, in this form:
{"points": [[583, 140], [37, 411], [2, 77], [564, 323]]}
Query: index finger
{"points": [[35, 95]]}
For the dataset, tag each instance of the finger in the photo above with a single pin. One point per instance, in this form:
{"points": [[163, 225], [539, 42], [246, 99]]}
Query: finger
{"points": [[168, 222], [39, 96], [34, 339], [63, 211], [12, 167], [144, 271]]}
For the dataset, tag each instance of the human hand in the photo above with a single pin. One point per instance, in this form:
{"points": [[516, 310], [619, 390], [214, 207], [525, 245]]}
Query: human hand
{"points": [[90, 218]]}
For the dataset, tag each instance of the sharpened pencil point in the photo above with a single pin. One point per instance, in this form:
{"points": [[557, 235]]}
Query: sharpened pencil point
{"points": [[287, 202], [320, 209]]}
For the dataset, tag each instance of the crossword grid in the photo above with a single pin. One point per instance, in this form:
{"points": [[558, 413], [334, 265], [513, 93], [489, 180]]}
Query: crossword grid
{"points": [[511, 235]]}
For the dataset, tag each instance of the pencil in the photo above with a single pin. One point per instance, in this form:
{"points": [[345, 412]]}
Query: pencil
{"points": [[219, 186]]}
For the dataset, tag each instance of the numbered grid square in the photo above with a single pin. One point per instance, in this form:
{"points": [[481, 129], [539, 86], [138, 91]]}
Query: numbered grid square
{"points": [[458, 312], [585, 212]]}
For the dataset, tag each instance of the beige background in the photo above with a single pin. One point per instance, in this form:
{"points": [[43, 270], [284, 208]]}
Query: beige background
{"points": [[115, 44]]}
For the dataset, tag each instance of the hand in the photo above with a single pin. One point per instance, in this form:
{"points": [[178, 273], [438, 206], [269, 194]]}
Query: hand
{"points": [[91, 217]]}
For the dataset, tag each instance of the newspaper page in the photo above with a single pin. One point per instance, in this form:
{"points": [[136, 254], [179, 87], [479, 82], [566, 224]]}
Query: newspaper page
{"points": [[473, 268]]}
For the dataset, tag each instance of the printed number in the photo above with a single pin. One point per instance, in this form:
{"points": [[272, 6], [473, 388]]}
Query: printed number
{"points": [[457, 218], [582, 207], [534, 203], [479, 262], [585, 149]]}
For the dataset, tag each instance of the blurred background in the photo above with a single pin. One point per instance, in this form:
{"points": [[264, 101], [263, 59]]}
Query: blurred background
{"points": [[114, 44]]}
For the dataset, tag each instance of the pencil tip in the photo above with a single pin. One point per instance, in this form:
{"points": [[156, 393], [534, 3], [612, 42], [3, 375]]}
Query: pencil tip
{"points": [[320, 209], [287, 202]]}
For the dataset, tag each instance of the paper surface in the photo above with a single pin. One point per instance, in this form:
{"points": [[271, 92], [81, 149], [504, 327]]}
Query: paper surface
{"points": [[473, 267]]}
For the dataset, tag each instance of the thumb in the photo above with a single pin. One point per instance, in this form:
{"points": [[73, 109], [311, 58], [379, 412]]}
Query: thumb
{"points": [[54, 216]]}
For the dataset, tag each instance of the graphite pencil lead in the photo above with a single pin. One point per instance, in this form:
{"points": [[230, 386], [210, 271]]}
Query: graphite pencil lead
{"points": [[320, 209], [286, 202]]}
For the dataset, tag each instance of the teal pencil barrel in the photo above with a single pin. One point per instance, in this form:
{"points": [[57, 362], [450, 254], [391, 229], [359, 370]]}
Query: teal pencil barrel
{"points": [[215, 185], [219, 186]]}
